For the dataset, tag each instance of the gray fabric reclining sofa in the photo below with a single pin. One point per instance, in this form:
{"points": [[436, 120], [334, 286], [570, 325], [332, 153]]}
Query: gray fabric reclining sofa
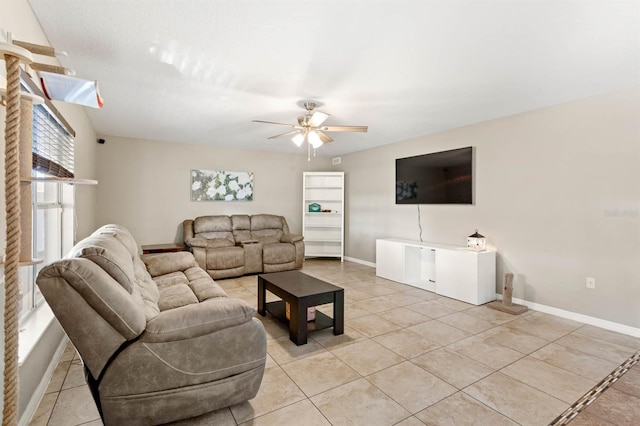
{"points": [[159, 339], [231, 246]]}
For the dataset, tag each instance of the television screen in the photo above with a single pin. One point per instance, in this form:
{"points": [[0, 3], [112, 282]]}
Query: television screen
{"points": [[439, 178]]}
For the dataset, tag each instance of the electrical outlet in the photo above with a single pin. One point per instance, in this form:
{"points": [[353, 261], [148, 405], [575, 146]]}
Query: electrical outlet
{"points": [[591, 282]]}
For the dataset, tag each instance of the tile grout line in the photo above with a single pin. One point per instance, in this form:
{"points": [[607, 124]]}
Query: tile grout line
{"points": [[595, 392], [58, 394]]}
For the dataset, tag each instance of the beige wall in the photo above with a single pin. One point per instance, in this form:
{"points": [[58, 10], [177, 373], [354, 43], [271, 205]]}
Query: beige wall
{"points": [[548, 185], [145, 185]]}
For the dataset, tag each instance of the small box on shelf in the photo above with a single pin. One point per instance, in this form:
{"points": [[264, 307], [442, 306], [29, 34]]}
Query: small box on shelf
{"points": [[311, 312]]}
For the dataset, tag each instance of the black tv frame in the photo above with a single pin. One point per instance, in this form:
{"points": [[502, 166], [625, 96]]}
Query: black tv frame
{"points": [[443, 177]]}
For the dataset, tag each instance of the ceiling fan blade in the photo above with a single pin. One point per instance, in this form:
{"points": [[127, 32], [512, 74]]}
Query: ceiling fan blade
{"points": [[323, 137], [293, 132], [318, 118], [343, 128], [295, 126]]}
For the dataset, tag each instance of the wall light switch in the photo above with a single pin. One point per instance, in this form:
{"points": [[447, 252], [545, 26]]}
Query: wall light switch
{"points": [[591, 282]]}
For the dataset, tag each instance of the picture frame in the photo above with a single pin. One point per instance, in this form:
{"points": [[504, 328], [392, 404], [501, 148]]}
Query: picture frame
{"points": [[221, 185]]}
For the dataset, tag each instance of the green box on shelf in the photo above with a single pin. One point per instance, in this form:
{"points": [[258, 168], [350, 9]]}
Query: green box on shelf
{"points": [[314, 208]]}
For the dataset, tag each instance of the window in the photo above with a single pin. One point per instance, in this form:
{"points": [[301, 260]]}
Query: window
{"points": [[52, 202]]}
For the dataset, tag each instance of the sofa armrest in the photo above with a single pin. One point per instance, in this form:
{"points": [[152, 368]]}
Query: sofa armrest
{"points": [[291, 238], [198, 319], [187, 231]]}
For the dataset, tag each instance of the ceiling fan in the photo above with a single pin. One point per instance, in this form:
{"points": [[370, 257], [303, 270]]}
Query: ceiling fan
{"points": [[310, 128]]}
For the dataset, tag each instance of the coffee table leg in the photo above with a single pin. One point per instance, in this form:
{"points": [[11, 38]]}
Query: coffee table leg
{"points": [[262, 296], [298, 323], [338, 312]]}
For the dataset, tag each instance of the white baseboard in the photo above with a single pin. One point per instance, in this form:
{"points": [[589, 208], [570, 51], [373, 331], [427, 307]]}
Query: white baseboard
{"points": [[37, 396], [362, 262], [608, 325]]}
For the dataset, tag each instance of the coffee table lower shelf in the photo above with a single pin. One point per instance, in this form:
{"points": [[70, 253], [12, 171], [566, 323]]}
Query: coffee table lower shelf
{"points": [[322, 321]]}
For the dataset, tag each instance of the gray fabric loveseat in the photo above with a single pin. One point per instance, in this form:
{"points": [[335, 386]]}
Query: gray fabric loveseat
{"points": [[159, 339], [231, 246]]}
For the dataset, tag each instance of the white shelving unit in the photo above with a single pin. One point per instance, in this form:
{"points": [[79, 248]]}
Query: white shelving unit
{"points": [[324, 231]]}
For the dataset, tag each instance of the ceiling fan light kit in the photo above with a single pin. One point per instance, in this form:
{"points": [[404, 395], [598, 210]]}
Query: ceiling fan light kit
{"points": [[310, 129]]}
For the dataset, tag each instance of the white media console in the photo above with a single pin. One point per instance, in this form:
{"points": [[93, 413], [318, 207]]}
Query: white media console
{"points": [[451, 271]]}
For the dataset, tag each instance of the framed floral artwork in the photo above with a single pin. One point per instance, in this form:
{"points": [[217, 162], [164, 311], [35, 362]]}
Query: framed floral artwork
{"points": [[220, 185]]}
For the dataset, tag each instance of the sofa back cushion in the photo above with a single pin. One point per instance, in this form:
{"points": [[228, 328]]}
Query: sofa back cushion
{"points": [[241, 227], [161, 265], [267, 228], [211, 227], [145, 289], [110, 254], [121, 234]]}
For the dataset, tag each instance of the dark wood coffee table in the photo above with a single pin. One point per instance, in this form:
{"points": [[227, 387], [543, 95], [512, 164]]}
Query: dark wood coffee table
{"points": [[301, 291]]}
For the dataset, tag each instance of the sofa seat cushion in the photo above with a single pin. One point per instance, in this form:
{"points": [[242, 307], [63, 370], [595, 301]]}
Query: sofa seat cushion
{"points": [[278, 253], [268, 240], [175, 296], [267, 236], [220, 242], [186, 287], [202, 285]]}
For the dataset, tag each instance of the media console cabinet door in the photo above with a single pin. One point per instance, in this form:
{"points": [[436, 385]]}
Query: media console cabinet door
{"points": [[465, 275], [390, 260]]}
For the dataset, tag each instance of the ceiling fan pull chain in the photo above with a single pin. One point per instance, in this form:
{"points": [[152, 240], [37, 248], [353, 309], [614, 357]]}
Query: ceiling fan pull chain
{"points": [[309, 151]]}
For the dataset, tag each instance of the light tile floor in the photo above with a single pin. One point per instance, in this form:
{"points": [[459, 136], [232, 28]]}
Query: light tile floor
{"points": [[408, 357]]}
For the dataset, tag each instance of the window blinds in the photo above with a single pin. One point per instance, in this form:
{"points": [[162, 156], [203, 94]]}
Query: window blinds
{"points": [[52, 145]]}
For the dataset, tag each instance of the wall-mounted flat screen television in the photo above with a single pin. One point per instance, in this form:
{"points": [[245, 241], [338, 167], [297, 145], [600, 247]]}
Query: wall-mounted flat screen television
{"points": [[438, 178]]}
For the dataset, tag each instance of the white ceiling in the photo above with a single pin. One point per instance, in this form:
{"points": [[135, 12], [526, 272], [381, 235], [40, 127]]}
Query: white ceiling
{"points": [[199, 71]]}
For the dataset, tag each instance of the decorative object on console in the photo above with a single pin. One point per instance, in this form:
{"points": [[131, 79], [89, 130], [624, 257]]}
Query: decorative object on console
{"points": [[507, 294], [218, 185], [476, 242]]}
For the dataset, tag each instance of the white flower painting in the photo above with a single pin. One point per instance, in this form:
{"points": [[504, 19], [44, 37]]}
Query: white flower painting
{"points": [[219, 185]]}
